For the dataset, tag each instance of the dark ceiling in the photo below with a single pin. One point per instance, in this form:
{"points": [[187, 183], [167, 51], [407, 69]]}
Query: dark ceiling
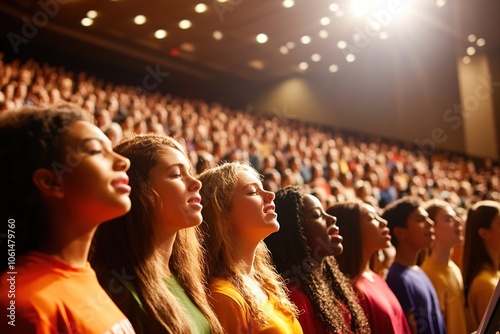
{"points": [[237, 56]]}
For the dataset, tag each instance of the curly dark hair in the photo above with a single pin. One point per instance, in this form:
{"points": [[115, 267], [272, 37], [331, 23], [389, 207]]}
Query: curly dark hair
{"points": [[30, 138], [327, 288]]}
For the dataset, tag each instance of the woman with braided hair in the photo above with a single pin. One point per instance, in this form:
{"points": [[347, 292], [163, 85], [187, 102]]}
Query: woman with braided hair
{"points": [[320, 291]]}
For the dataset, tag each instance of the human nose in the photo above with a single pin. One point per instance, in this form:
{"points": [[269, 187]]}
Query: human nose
{"points": [[330, 220], [195, 184], [268, 196], [121, 163], [382, 221]]}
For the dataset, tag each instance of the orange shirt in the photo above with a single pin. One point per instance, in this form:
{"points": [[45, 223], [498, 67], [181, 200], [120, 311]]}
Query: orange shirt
{"points": [[45, 295]]}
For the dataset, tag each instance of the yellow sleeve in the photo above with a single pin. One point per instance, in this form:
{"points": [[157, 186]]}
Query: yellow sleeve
{"points": [[233, 315]]}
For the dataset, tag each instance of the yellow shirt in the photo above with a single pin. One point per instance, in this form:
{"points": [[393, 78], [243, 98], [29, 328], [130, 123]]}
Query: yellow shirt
{"points": [[480, 292], [447, 280], [235, 317]]}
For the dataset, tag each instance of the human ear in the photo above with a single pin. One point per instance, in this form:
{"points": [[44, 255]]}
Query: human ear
{"points": [[399, 232], [483, 233], [48, 183]]}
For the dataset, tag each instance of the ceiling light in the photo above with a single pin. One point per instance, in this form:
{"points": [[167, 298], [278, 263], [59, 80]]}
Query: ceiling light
{"points": [[217, 35], [480, 42], [261, 38], [87, 22], [315, 57], [341, 45], [339, 13], [288, 3], [200, 8], [140, 19], [374, 25], [91, 14], [471, 38], [471, 50], [360, 7], [284, 50], [256, 64], [323, 34], [188, 47], [185, 24], [305, 39], [221, 0], [383, 35], [303, 66], [325, 21], [334, 7], [466, 60], [333, 68], [440, 3], [290, 45], [350, 58], [160, 34]]}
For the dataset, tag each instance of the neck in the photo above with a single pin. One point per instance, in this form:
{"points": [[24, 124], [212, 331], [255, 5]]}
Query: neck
{"points": [[494, 256], [165, 249], [68, 244], [406, 256], [245, 253], [441, 253]]}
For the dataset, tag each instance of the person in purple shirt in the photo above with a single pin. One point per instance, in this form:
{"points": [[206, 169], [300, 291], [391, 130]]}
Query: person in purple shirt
{"points": [[411, 231]]}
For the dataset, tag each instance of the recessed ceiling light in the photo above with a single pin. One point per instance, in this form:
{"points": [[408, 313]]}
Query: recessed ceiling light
{"points": [[256, 64], [440, 3], [140, 19], [383, 35], [333, 68], [325, 21], [284, 50], [160, 33], [217, 35], [87, 22], [323, 34], [466, 60], [188, 47], [288, 3], [471, 50], [350, 58], [92, 14], [315, 57], [200, 8], [334, 7], [185, 24], [471, 38], [341, 45], [290, 45], [261, 38], [222, 0], [305, 39], [303, 66], [480, 42]]}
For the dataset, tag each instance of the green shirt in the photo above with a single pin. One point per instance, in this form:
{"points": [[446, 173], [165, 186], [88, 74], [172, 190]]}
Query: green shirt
{"points": [[197, 320]]}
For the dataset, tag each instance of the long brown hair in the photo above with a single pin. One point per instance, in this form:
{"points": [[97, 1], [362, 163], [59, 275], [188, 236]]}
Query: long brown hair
{"points": [[127, 246], [221, 262], [475, 255]]}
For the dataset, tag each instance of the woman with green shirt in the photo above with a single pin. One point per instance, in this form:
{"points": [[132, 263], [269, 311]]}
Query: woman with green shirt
{"points": [[150, 260]]}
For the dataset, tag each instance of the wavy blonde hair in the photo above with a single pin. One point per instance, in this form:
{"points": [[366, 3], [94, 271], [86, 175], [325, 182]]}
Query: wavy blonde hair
{"points": [[127, 245], [218, 189]]}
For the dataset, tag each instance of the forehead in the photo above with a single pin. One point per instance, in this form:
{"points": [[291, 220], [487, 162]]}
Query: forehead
{"points": [[418, 213], [81, 130], [246, 177], [447, 210], [311, 202], [168, 156]]}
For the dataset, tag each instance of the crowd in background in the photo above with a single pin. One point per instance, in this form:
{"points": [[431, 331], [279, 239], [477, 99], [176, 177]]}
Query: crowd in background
{"points": [[380, 185], [335, 165]]}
